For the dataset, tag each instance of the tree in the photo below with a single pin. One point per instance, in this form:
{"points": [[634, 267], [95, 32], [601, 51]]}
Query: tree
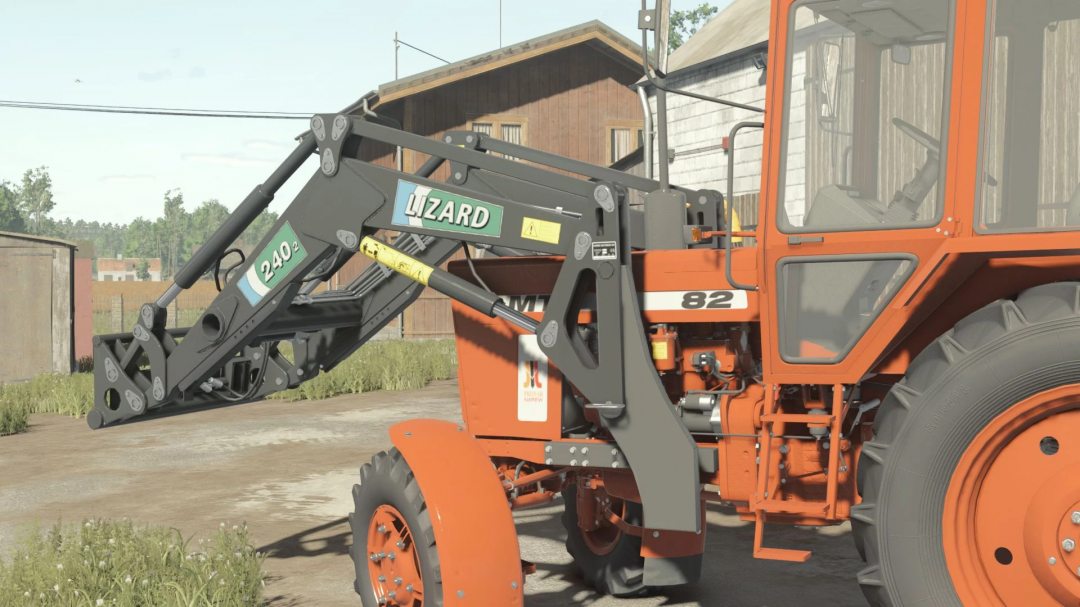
{"points": [[684, 24], [36, 200], [142, 269], [11, 220], [175, 223]]}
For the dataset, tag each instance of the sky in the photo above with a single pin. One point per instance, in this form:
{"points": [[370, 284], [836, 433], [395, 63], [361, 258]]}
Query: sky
{"points": [[312, 56]]}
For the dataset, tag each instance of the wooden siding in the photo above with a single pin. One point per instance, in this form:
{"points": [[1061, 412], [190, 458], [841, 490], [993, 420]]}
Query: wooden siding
{"points": [[566, 99]]}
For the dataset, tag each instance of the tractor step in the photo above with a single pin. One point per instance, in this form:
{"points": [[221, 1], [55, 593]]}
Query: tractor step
{"points": [[782, 554]]}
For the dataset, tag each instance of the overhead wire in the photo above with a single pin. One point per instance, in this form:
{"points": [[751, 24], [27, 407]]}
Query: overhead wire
{"points": [[68, 107]]}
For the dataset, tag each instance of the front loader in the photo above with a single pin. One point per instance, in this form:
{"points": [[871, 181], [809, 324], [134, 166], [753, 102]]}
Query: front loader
{"points": [[895, 343]]}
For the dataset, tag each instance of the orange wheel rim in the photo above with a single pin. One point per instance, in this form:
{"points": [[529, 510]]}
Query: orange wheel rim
{"points": [[600, 534], [1011, 526], [393, 560]]}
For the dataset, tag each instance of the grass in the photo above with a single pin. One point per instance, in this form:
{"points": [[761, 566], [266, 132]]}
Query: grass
{"points": [[381, 365], [99, 563]]}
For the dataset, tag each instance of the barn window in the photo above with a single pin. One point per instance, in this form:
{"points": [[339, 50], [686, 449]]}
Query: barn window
{"points": [[511, 129], [623, 137]]}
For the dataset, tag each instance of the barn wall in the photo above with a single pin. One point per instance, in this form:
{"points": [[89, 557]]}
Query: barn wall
{"points": [[567, 99]]}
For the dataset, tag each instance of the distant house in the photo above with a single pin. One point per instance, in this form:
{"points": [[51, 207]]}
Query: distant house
{"points": [[126, 269], [567, 93]]}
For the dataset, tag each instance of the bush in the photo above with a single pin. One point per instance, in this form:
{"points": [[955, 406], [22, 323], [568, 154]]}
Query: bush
{"points": [[14, 417], [382, 365], [52, 393], [102, 563]]}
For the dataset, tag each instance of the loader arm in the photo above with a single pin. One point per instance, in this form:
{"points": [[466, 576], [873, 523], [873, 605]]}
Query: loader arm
{"points": [[230, 355]]}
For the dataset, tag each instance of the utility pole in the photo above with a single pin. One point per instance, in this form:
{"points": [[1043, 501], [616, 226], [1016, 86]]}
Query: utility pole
{"points": [[397, 47]]}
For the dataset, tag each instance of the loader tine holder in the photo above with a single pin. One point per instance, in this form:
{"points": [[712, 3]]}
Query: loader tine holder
{"points": [[231, 353]]}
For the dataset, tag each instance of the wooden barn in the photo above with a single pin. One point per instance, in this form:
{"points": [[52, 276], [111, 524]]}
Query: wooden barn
{"points": [[567, 93]]}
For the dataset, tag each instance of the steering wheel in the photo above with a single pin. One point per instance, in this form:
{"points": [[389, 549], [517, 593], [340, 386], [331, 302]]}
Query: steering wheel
{"points": [[922, 137]]}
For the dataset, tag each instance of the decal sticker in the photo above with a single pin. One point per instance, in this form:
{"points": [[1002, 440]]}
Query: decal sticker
{"points": [[395, 260], [424, 207], [659, 350], [538, 229], [532, 380], [273, 265], [604, 251], [652, 301]]}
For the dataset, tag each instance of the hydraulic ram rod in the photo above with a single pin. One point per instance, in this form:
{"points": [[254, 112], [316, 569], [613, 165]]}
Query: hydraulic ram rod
{"points": [[445, 283]]}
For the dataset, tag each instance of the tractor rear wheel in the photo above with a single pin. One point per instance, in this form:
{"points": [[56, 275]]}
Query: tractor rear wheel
{"points": [[608, 559], [393, 549], [970, 486]]}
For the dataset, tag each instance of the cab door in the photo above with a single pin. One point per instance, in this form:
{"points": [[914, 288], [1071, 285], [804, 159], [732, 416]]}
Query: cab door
{"points": [[858, 154]]}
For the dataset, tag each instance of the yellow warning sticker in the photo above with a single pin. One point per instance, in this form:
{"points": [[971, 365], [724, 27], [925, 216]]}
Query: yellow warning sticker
{"points": [[538, 229], [395, 260], [659, 350]]}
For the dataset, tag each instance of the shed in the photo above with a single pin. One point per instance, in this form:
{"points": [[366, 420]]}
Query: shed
{"points": [[37, 306]]}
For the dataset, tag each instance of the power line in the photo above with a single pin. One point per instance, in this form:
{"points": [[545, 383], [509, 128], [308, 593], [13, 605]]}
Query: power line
{"points": [[421, 50], [152, 112], [166, 109]]}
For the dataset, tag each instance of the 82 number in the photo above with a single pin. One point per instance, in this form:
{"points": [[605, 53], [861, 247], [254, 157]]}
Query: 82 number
{"points": [[696, 300]]}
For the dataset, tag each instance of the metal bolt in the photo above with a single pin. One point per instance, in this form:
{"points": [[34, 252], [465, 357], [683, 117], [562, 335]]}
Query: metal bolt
{"points": [[784, 449], [398, 581], [392, 594], [400, 544], [460, 594], [457, 176], [757, 446], [1068, 545], [447, 139], [783, 481], [549, 461], [656, 534], [616, 452], [408, 434], [826, 445], [781, 466], [469, 138], [946, 232], [702, 200], [1076, 517], [382, 578], [614, 464], [573, 462], [391, 556], [598, 499], [374, 558], [408, 588], [382, 600], [382, 528], [547, 449], [299, 371], [513, 585], [573, 449], [382, 555], [584, 450], [585, 463], [1053, 561]]}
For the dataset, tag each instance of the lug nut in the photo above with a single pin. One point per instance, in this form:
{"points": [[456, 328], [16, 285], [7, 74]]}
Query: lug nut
{"points": [[1068, 545], [1076, 517], [382, 528], [374, 558], [391, 556], [392, 594], [408, 588], [382, 578], [400, 544], [397, 581]]}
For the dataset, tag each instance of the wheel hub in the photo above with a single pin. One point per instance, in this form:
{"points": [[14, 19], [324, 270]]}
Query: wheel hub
{"points": [[393, 561], [1009, 533], [600, 535]]}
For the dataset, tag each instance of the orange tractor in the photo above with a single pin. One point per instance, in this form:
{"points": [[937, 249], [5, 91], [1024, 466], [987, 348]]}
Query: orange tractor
{"points": [[896, 343]]}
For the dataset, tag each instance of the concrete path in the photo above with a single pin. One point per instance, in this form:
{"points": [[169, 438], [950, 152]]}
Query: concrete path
{"points": [[288, 469]]}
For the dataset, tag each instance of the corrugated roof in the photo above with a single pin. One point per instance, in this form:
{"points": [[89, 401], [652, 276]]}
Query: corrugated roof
{"points": [[743, 24], [622, 47], [66, 243]]}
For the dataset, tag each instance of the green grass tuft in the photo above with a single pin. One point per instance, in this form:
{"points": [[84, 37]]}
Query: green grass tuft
{"points": [[52, 393], [14, 417], [100, 563], [382, 365]]}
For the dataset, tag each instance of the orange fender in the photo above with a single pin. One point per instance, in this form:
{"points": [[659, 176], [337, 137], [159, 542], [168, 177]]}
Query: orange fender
{"points": [[474, 529]]}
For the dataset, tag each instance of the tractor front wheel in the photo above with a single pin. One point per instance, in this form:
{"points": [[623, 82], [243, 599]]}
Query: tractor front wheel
{"points": [[607, 558], [393, 550], [970, 486]]}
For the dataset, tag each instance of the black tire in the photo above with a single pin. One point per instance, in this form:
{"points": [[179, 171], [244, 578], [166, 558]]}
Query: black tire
{"points": [[988, 362], [388, 480], [620, 572]]}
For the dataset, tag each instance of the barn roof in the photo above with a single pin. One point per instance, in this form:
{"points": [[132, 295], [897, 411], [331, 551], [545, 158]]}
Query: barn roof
{"points": [[45, 239], [593, 33], [743, 24]]}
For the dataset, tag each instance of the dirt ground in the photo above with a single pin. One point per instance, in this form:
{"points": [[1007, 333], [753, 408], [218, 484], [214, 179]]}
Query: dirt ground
{"points": [[288, 469]]}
